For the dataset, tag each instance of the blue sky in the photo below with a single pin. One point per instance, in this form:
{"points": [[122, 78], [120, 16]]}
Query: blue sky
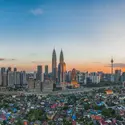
{"points": [[87, 30]]}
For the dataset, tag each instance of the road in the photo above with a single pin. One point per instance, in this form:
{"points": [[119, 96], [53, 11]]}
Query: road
{"points": [[67, 91]]}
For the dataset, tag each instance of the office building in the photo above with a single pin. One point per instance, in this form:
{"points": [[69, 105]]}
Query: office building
{"points": [[46, 69], [16, 78], [15, 69], [23, 80], [123, 77], [61, 69], [95, 77], [39, 73], [80, 78], [117, 75], [9, 69], [4, 79], [46, 73], [34, 75], [0, 79], [11, 79], [54, 66], [2, 72]]}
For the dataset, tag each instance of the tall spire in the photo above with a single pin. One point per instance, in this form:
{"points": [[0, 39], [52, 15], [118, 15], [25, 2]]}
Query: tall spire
{"points": [[54, 61], [54, 51], [54, 64], [112, 61], [61, 57]]}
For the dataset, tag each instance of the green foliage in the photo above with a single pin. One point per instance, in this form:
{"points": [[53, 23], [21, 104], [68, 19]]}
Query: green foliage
{"points": [[118, 117], [36, 114], [65, 108], [19, 122], [86, 106], [108, 112], [98, 107]]}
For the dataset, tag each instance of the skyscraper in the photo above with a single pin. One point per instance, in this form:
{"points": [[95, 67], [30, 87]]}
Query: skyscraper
{"points": [[46, 69], [11, 79], [15, 69], [118, 75], [5, 79], [2, 74], [39, 73], [23, 80], [9, 69], [16, 78], [54, 65], [61, 68], [46, 72]]}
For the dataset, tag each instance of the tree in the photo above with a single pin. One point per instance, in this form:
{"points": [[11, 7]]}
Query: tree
{"points": [[19, 122], [118, 117], [108, 112], [36, 114], [86, 106]]}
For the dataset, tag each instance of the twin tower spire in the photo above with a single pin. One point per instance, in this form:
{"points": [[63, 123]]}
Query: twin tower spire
{"points": [[61, 67]]}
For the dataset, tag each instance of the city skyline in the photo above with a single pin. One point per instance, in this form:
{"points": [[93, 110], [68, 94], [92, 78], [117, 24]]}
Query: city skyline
{"points": [[89, 32]]}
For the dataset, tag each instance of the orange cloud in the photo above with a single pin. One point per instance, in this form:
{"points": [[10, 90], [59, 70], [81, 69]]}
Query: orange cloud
{"points": [[90, 67]]}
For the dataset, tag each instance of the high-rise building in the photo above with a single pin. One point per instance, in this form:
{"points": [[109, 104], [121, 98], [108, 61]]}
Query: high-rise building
{"points": [[46, 73], [95, 77], [15, 69], [123, 77], [3, 69], [34, 75], [2, 72], [0, 79], [117, 75], [80, 78], [46, 69], [17, 78], [5, 79], [9, 69], [54, 66], [11, 79], [61, 68], [23, 80], [39, 73]]}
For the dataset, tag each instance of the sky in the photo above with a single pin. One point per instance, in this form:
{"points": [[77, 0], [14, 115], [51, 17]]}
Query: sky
{"points": [[90, 33]]}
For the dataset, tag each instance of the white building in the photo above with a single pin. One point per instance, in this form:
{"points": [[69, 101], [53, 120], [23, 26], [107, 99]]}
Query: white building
{"points": [[80, 78], [16, 78], [95, 77], [11, 79], [86, 76], [24, 78], [34, 74]]}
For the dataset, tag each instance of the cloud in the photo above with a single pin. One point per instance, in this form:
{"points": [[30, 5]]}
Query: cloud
{"points": [[4, 59], [41, 62], [37, 11], [117, 65]]}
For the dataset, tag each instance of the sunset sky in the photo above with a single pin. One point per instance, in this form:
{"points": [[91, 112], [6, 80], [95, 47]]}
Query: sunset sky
{"points": [[90, 32]]}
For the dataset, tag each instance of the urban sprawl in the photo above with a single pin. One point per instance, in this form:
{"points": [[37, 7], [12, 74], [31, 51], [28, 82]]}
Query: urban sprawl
{"points": [[61, 97]]}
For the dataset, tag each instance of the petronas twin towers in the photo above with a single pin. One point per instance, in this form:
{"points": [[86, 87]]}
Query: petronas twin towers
{"points": [[58, 75]]}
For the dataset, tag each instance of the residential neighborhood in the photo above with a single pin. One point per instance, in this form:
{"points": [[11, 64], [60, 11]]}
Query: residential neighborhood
{"points": [[96, 107]]}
